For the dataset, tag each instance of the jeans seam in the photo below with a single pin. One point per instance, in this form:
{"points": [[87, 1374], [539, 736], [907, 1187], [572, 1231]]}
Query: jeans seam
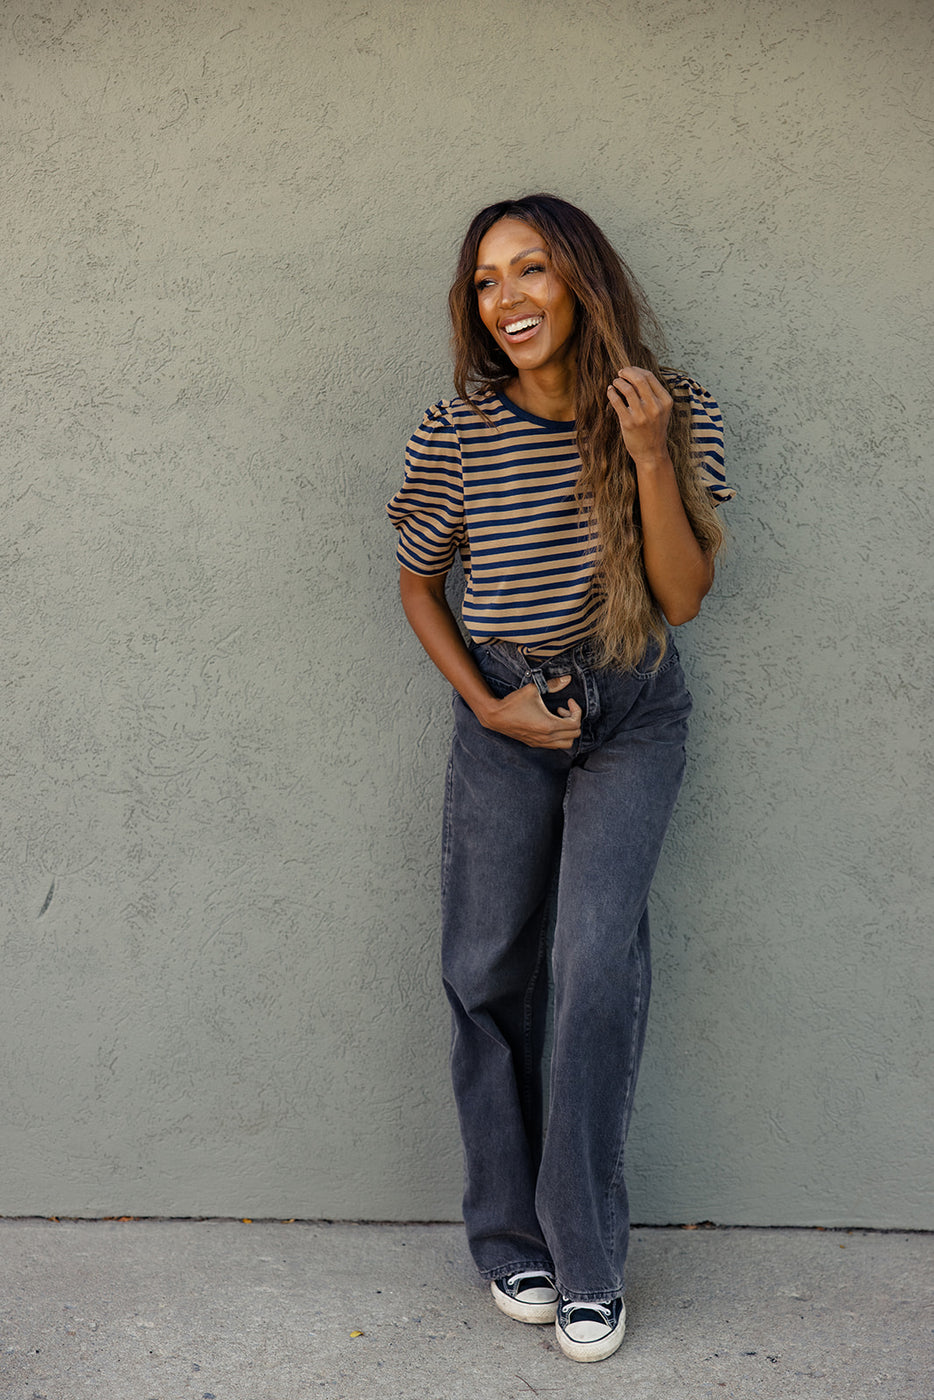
{"points": [[616, 1180], [446, 841], [630, 1087], [528, 1067]]}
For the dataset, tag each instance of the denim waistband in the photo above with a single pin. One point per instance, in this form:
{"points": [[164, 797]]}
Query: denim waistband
{"points": [[585, 653], [581, 653]]}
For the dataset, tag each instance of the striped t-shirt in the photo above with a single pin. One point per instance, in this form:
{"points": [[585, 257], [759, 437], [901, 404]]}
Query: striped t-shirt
{"points": [[503, 494]]}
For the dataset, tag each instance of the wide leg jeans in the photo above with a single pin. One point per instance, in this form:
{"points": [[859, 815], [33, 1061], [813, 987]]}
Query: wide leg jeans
{"points": [[526, 832]]}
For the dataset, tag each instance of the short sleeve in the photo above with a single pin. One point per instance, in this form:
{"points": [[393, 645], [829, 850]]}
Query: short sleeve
{"points": [[706, 436], [428, 509]]}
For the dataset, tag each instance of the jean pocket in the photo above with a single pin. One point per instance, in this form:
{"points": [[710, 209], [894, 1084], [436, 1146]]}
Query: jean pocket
{"points": [[500, 676], [647, 670], [498, 686]]}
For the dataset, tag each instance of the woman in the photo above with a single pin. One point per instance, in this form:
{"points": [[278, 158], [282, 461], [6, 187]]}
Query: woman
{"points": [[576, 478]]}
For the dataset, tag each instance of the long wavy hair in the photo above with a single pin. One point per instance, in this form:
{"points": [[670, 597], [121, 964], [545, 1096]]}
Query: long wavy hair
{"points": [[614, 326]]}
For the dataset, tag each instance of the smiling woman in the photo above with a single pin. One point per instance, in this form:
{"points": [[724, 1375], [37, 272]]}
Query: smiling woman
{"points": [[524, 303], [577, 479]]}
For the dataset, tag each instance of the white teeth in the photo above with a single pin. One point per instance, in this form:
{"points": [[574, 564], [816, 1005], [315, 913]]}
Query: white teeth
{"points": [[525, 325]]}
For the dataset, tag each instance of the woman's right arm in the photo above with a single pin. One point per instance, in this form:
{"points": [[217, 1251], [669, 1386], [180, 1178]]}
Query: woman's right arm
{"points": [[521, 715]]}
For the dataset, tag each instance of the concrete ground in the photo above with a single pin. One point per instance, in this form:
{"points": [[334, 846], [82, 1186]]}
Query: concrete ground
{"points": [[224, 1310]]}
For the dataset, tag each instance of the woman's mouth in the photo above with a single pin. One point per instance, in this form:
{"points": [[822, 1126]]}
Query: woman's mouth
{"points": [[521, 330]]}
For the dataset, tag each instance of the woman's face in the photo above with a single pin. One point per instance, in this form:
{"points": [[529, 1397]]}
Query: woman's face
{"points": [[522, 301]]}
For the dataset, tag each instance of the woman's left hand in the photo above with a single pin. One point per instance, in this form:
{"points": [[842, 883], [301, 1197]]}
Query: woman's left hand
{"points": [[643, 407]]}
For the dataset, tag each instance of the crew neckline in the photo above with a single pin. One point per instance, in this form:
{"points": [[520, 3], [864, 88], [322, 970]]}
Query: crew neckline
{"points": [[556, 424]]}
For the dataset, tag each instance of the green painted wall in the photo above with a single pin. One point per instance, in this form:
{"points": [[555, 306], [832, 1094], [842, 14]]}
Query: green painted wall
{"points": [[227, 232]]}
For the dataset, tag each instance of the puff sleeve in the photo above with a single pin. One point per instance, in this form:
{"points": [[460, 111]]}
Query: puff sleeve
{"points": [[706, 435], [428, 509]]}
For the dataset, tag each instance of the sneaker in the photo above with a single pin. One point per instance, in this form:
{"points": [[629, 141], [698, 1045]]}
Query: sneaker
{"points": [[530, 1296], [590, 1331]]}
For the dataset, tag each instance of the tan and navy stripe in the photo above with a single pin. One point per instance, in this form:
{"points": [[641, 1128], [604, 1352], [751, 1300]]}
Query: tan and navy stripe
{"points": [[502, 493]]}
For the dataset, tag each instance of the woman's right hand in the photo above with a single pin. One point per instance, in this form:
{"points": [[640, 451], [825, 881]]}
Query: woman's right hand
{"points": [[521, 715], [524, 716]]}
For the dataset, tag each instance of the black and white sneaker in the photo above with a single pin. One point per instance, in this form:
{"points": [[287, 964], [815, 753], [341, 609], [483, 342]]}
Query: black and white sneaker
{"points": [[530, 1296], [590, 1331]]}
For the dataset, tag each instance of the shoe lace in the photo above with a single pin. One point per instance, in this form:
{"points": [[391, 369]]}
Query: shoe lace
{"points": [[605, 1310]]}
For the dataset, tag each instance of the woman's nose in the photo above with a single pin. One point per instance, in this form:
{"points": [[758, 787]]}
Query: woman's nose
{"points": [[508, 292]]}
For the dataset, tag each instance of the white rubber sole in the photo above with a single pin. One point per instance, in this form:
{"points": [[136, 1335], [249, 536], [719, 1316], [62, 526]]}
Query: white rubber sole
{"points": [[538, 1313], [593, 1351]]}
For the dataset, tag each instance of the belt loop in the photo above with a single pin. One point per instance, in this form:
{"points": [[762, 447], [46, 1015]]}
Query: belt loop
{"points": [[541, 685]]}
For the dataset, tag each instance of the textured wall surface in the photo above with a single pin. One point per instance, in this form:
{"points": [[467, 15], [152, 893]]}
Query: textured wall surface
{"points": [[227, 233]]}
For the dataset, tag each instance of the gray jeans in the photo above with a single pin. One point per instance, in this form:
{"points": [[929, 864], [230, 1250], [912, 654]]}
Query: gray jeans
{"points": [[519, 820]]}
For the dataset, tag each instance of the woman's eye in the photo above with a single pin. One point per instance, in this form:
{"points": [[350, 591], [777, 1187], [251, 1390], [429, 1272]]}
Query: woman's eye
{"points": [[482, 286], [533, 267]]}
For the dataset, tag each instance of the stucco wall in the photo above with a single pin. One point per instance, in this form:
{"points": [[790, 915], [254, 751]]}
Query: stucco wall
{"points": [[227, 234]]}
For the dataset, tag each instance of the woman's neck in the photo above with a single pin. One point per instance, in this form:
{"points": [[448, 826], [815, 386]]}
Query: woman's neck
{"points": [[546, 393]]}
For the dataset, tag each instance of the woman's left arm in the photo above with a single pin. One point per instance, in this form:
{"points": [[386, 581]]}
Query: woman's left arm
{"points": [[679, 571]]}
